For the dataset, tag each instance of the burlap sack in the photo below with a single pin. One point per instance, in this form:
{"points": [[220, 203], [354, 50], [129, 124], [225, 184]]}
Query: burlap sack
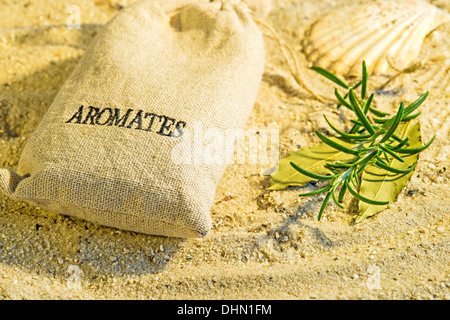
{"points": [[104, 150]]}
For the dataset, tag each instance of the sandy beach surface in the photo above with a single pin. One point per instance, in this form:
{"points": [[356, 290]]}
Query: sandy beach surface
{"points": [[264, 244]]}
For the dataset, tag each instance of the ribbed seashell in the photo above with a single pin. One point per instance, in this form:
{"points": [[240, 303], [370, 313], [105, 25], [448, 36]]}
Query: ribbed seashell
{"points": [[383, 33], [433, 76]]}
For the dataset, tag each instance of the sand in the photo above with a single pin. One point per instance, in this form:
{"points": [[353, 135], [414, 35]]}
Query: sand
{"points": [[264, 244]]}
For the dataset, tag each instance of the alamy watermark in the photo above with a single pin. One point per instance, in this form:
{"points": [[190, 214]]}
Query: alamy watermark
{"points": [[373, 281], [74, 281], [74, 19], [213, 146]]}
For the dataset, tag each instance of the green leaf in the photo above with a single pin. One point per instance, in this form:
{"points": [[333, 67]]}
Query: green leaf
{"points": [[413, 116], [347, 135], [313, 160], [400, 145], [392, 153], [379, 184], [324, 204], [378, 113], [342, 100], [367, 104], [364, 199], [339, 165], [359, 113], [336, 200], [313, 193], [416, 150], [336, 145], [367, 158], [396, 121], [364, 81], [310, 174], [330, 76], [413, 106], [395, 170], [342, 193]]}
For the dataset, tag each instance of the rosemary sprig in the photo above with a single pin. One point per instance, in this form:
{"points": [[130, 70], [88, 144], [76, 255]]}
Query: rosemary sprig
{"points": [[372, 129]]}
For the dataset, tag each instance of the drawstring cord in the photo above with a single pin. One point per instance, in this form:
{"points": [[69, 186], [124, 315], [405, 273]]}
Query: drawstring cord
{"points": [[289, 57]]}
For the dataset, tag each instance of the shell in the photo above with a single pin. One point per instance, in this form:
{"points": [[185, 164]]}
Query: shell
{"points": [[434, 73], [383, 33]]}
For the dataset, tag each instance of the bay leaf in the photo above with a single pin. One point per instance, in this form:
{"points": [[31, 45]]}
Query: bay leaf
{"points": [[379, 184], [312, 159]]}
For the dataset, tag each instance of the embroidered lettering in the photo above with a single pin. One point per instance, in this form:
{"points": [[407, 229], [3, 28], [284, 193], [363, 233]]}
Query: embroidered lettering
{"points": [[165, 129], [78, 115], [179, 126], [131, 119], [100, 114], [92, 113], [138, 120], [117, 121], [152, 118]]}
